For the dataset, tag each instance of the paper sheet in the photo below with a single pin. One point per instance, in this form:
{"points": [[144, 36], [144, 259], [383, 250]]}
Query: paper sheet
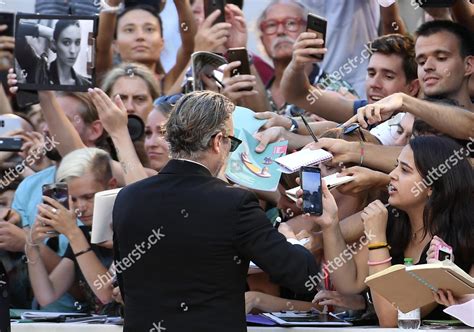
{"points": [[464, 312]]}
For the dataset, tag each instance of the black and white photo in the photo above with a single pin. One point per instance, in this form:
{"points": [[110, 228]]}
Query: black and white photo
{"points": [[55, 52]]}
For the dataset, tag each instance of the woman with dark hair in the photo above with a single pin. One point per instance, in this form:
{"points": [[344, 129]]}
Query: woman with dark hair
{"points": [[431, 191], [65, 42]]}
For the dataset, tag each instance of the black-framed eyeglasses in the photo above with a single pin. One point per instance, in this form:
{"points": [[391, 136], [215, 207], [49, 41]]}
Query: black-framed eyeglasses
{"points": [[353, 127], [234, 141], [291, 24]]}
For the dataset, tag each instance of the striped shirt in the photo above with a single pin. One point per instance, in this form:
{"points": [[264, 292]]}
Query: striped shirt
{"points": [[64, 7]]}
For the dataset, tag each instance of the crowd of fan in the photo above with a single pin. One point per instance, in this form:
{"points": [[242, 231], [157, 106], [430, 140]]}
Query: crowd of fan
{"points": [[409, 99]]}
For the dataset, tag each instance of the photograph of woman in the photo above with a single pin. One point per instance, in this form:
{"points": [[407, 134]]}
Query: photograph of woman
{"points": [[47, 57]]}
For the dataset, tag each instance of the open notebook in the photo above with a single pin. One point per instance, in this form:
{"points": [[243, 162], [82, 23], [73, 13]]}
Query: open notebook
{"points": [[411, 287], [332, 181], [294, 161], [102, 216]]}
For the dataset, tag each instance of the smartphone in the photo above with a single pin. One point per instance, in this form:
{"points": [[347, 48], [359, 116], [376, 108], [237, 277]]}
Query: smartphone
{"points": [[310, 178], [25, 98], [11, 144], [435, 3], [240, 54], [443, 252], [9, 20], [211, 6], [4, 300], [57, 191], [8, 123], [318, 25]]}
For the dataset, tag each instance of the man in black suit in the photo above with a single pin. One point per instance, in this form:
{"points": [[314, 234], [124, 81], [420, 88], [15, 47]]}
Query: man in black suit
{"points": [[197, 233]]}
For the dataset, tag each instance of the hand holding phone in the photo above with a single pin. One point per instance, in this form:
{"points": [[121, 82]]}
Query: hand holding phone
{"points": [[240, 54], [212, 5], [57, 191], [318, 25], [310, 178]]}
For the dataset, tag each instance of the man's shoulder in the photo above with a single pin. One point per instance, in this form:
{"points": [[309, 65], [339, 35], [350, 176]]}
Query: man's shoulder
{"points": [[44, 176]]}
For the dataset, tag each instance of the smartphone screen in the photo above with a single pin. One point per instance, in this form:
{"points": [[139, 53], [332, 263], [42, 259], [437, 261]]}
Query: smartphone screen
{"points": [[312, 192], [317, 25], [212, 5], [58, 192], [9, 20]]}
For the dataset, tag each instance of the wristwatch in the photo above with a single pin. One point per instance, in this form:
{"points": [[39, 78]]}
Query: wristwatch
{"points": [[106, 8], [294, 125]]}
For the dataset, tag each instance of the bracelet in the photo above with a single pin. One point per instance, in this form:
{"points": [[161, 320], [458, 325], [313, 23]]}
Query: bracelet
{"points": [[379, 245], [370, 263], [29, 240], [28, 260], [82, 252], [361, 153], [106, 8]]}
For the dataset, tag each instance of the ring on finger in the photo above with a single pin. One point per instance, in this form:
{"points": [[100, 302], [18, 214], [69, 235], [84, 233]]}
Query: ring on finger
{"points": [[54, 210]]}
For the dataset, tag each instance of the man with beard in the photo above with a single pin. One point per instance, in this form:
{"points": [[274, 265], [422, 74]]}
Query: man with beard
{"points": [[201, 231], [280, 25], [83, 115]]}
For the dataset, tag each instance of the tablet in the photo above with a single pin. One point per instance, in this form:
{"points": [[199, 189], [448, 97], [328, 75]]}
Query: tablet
{"points": [[305, 318]]}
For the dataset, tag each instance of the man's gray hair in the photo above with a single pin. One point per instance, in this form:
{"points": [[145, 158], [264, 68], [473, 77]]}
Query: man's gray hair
{"points": [[195, 119], [263, 16]]}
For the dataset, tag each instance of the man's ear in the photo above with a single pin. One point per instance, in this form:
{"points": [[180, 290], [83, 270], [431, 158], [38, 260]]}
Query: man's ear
{"points": [[216, 143], [469, 65], [112, 183], [414, 87], [95, 130]]}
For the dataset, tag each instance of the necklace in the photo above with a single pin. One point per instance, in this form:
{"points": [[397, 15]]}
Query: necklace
{"points": [[416, 232]]}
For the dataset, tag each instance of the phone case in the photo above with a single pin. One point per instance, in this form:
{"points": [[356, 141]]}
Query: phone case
{"points": [[240, 54], [212, 5], [11, 144], [318, 25]]}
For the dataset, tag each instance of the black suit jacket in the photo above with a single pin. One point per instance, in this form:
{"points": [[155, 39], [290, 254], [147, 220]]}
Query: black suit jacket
{"points": [[194, 277]]}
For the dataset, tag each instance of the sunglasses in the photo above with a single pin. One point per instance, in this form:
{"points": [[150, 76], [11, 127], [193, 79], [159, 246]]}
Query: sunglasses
{"points": [[234, 142]]}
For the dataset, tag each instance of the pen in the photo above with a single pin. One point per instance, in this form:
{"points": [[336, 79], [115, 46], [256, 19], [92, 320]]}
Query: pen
{"points": [[7, 216], [309, 129], [218, 81]]}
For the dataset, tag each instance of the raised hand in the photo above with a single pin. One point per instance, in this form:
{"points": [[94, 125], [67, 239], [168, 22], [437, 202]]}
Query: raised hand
{"points": [[112, 114], [306, 45]]}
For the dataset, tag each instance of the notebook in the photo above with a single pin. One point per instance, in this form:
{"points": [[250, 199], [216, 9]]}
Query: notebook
{"points": [[102, 216], [411, 287], [332, 181], [293, 162]]}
